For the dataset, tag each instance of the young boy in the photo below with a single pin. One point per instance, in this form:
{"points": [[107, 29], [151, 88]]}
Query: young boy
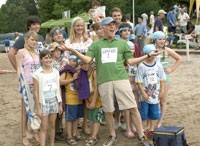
{"points": [[73, 105], [93, 104], [150, 77]]}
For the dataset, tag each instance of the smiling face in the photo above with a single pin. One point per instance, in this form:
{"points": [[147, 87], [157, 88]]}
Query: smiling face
{"points": [[32, 42], [58, 37], [110, 30], [73, 63], [46, 60], [79, 27], [160, 43], [117, 16], [56, 53], [34, 27], [125, 34]]}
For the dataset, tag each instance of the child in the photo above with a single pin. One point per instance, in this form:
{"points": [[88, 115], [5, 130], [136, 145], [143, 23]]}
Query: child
{"points": [[73, 105], [93, 104], [47, 96], [57, 63], [124, 30], [150, 77]]}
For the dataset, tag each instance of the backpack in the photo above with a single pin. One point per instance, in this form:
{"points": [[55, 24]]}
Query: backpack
{"points": [[169, 136]]}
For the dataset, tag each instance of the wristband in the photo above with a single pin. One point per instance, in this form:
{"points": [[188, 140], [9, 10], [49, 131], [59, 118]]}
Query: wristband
{"points": [[148, 55]]}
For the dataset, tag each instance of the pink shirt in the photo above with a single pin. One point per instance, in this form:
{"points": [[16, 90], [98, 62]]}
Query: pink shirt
{"points": [[31, 64]]}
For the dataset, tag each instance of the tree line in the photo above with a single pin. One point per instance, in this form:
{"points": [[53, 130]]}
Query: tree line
{"points": [[14, 13]]}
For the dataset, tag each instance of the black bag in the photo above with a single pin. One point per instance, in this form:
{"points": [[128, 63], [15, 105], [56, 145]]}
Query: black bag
{"points": [[169, 136]]}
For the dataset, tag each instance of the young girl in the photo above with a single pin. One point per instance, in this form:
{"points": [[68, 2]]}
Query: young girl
{"points": [[28, 62], [47, 96], [159, 40], [79, 40], [93, 104]]}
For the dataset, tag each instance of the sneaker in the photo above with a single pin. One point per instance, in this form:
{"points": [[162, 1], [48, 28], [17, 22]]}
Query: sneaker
{"points": [[117, 125], [111, 141], [143, 142], [123, 126]]}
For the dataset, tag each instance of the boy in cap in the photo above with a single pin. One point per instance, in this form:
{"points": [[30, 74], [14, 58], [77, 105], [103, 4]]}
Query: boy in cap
{"points": [[150, 78], [112, 79]]}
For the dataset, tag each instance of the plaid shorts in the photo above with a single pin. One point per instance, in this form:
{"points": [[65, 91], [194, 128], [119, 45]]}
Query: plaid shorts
{"points": [[50, 107]]}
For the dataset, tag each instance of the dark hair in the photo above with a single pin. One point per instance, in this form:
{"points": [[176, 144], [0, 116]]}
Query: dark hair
{"points": [[44, 53], [149, 25], [95, 26], [31, 20], [115, 9], [140, 17]]}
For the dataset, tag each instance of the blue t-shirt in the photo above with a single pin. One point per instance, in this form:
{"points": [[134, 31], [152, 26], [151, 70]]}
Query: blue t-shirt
{"points": [[158, 23], [140, 29], [171, 17]]}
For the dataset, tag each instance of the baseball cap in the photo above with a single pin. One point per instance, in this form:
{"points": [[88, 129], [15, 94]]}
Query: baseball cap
{"points": [[148, 48], [158, 35], [53, 46], [72, 57], [161, 12], [107, 20]]}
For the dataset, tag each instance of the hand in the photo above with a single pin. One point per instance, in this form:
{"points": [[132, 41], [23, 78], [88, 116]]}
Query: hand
{"points": [[92, 105], [75, 76], [60, 109], [155, 53], [168, 70], [145, 96], [39, 113], [161, 94], [65, 48]]}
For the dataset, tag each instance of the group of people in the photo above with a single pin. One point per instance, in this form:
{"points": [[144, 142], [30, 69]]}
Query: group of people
{"points": [[92, 79]]}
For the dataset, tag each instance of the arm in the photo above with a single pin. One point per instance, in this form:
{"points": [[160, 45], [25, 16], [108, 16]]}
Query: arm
{"points": [[86, 59], [94, 99], [36, 96], [161, 93], [11, 56], [63, 81], [18, 62], [175, 56], [144, 94], [133, 61]]}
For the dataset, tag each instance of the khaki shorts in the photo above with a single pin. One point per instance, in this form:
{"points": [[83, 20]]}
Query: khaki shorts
{"points": [[121, 89]]}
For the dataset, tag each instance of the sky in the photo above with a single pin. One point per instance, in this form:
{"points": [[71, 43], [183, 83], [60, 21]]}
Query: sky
{"points": [[2, 2]]}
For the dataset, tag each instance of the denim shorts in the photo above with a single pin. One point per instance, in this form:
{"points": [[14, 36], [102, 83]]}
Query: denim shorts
{"points": [[73, 112], [149, 111], [50, 107]]}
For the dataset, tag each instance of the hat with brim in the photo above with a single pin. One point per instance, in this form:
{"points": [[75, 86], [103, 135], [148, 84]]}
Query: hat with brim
{"points": [[53, 46], [107, 20], [161, 12]]}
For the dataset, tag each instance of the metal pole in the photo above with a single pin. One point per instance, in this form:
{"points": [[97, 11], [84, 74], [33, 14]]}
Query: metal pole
{"points": [[134, 12]]}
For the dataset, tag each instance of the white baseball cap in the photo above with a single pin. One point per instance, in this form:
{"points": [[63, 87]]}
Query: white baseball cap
{"points": [[161, 12]]}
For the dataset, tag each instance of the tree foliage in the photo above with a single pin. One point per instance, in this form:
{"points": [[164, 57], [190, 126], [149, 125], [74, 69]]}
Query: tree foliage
{"points": [[14, 13]]}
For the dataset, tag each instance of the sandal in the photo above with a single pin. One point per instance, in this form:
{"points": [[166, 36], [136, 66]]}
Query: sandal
{"points": [[129, 134], [92, 141], [26, 142], [71, 141], [79, 138]]}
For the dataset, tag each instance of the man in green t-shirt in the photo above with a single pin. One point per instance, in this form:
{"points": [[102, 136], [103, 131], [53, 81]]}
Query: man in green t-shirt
{"points": [[110, 54]]}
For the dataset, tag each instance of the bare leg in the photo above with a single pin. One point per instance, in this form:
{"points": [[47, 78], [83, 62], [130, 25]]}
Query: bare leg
{"points": [[85, 127], [110, 122], [43, 130], [163, 103], [52, 119], [137, 121], [69, 129]]}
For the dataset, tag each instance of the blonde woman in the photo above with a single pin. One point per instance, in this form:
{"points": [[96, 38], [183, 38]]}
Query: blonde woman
{"points": [[80, 41], [28, 62]]}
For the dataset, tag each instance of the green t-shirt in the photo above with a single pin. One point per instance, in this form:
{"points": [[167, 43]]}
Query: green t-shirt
{"points": [[109, 57]]}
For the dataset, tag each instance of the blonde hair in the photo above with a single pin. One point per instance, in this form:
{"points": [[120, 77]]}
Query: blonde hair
{"points": [[29, 34], [73, 33]]}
